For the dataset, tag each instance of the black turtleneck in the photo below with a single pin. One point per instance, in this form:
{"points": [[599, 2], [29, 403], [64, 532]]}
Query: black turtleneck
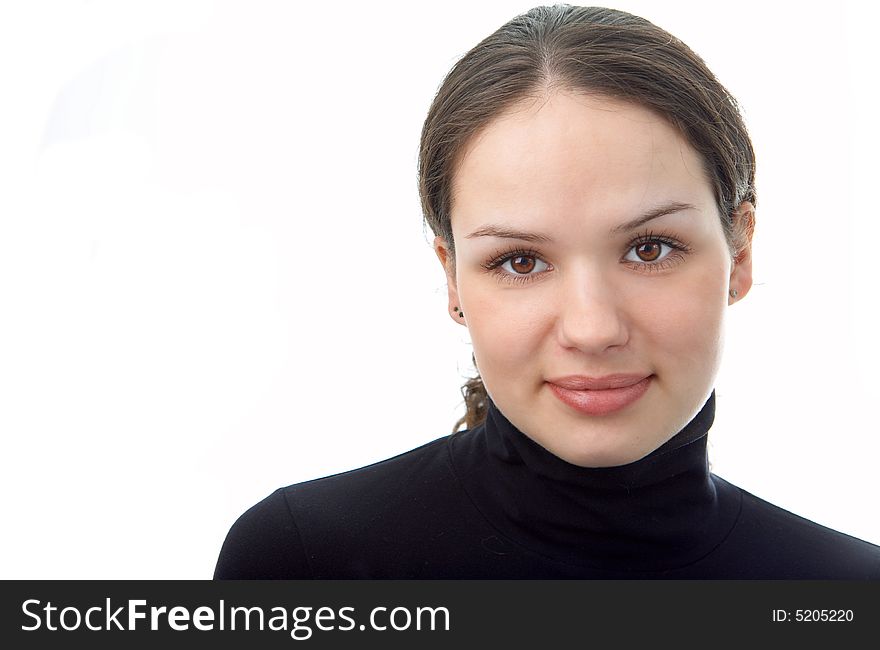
{"points": [[491, 503]]}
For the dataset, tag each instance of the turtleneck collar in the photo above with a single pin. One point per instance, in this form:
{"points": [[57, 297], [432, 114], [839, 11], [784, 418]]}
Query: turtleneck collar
{"points": [[659, 512]]}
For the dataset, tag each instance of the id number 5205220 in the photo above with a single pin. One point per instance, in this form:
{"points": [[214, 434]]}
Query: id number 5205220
{"points": [[813, 615]]}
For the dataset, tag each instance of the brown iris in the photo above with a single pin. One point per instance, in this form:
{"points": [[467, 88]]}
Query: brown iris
{"points": [[519, 266], [649, 251]]}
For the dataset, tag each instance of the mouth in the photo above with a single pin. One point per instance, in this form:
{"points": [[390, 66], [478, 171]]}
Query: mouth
{"points": [[600, 395]]}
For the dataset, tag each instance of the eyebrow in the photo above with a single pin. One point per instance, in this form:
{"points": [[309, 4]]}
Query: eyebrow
{"points": [[505, 232], [654, 213]]}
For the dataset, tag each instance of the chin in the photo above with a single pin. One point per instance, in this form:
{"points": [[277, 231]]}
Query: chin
{"points": [[605, 455]]}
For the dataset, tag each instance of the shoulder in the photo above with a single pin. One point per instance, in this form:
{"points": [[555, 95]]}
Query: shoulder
{"points": [[385, 477], [263, 543], [276, 537], [789, 546], [362, 506]]}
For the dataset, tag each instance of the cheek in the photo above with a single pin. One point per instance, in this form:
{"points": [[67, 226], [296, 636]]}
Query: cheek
{"points": [[507, 333], [687, 326]]}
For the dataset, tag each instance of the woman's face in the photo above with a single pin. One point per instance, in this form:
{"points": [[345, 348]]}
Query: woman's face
{"points": [[560, 272]]}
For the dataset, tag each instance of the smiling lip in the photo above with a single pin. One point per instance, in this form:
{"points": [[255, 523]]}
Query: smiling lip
{"points": [[599, 395]]}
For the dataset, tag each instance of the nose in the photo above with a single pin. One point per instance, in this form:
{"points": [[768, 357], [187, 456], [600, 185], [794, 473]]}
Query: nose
{"points": [[592, 317]]}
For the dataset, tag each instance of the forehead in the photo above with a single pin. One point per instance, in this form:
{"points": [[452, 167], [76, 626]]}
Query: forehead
{"points": [[575, 154]]}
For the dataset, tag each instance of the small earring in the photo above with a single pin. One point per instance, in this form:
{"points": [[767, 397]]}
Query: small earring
{"points": [[457, 309], [734, 293]]}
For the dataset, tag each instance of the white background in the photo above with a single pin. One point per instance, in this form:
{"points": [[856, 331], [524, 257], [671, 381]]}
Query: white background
{"points": [[214, 279]]}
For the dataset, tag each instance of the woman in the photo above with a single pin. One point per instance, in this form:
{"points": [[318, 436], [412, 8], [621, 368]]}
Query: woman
{"points": [[591, 188]]}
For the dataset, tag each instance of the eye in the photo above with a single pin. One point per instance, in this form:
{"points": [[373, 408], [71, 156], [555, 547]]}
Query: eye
{"points": [[655, 252], [516, 265], [649, 251], [522, 264]]}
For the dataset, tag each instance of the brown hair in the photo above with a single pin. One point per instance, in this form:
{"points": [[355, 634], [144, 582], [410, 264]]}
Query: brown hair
{"points": [[592, 49]]}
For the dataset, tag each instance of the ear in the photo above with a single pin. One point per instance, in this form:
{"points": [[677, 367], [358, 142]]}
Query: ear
{"points": [[741, 271], [454, 306]]}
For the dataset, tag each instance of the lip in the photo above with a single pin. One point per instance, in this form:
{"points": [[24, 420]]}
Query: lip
{"points": [[600, 395]]}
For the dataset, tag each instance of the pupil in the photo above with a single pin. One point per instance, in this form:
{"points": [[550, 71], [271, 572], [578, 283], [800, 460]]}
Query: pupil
{"points": [[518, 263], [649, 252]]}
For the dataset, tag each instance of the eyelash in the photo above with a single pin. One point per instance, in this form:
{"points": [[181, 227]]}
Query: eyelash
{"points": [[676, 255]]}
